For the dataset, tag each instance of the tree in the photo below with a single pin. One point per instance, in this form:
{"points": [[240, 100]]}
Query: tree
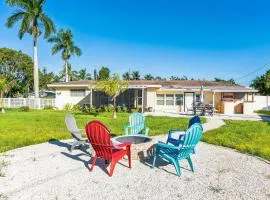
{"points": [[262, 83], [135, 75], [229, 81], [5, 86], [46, 78], [148, 77], [80, 75], [83, 75], [33, 21], [112, 87], [104, 73], [126, 76], [15, 65], [63, 42], [95, 75], [158, 78]]}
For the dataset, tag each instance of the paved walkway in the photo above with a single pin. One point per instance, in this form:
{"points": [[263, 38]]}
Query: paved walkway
{"points": [[49, 171]]}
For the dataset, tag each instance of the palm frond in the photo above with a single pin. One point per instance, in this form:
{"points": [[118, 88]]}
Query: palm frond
{"points": [[56, 48], [18, 15], [18, 3], [25, 26], [49, 26], [76, 50]]}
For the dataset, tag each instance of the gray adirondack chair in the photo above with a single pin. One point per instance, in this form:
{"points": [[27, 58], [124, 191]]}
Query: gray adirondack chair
{"points": [[75, 132]]}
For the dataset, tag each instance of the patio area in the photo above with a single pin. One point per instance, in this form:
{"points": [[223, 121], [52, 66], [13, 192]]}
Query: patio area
{"points": [[50, 171]]}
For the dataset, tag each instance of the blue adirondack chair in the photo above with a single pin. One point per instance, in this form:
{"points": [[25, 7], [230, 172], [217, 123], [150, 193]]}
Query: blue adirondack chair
{"points": [[136, 125], [174, 154], [181, 133]]}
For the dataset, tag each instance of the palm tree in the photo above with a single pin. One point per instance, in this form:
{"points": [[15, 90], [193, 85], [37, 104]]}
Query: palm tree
{"points": [[63, 42], [148, 77], [113, 87], [126, 76], [33, 21], [136, 75]]}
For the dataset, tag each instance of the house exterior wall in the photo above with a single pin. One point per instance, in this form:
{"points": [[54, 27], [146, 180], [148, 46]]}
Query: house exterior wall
{"points": [[150, 98], [64, 97]]}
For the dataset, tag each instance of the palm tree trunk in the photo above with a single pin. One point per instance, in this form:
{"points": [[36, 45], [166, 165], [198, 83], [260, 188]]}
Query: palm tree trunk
{"points": [[67, 74], [36, 81], [114, 108]]}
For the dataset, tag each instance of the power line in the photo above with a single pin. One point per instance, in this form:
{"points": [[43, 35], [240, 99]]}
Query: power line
{"points": [[250, 73]]}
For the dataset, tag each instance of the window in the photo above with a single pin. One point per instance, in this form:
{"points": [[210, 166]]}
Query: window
{"points": [[179, 99], [160, 99], [249, 97], [77, 93], [198, 98], [169, 99], [228, 96]]}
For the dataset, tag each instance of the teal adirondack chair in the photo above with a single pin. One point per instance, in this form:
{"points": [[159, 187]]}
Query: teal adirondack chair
{"points": [[136, 125], [174, 154]]}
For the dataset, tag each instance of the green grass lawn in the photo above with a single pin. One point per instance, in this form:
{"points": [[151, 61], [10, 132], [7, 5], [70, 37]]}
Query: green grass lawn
{"points": [[251, 137], [19, 129]]}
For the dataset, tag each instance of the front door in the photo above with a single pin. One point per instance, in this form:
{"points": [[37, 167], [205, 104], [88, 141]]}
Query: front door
{"points": [[188, 100]]}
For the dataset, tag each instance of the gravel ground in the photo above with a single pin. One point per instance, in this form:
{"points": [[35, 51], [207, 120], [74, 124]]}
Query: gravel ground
{"points": [[50, 171]]}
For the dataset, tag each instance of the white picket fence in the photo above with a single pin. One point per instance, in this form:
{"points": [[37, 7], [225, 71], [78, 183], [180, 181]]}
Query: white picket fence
{"points": [[32, 103]]}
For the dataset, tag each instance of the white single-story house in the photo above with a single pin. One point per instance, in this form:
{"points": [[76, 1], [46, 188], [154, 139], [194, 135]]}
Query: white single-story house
{"points": [[161, 95]]}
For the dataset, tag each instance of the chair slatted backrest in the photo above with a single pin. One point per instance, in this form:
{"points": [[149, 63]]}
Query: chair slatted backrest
{"points": [[193, 120], [192, 138], [136, 121], [100, 139], [71, 123]]}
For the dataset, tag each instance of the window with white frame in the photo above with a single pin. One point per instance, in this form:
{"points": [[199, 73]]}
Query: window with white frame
{"points": [[77, 93], [169, 99], [249, 97], [179, 99], [160, 99], [227, 96]]}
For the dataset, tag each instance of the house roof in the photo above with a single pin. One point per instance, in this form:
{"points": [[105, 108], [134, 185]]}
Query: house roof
{"points": [[163, 85]]}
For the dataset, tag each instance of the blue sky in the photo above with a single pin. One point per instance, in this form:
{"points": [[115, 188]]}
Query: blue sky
{"points": [[199, 39]]}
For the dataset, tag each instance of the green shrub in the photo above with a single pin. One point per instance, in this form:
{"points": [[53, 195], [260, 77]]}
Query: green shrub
{"points": [[125, 109], [93, 109], [86, 109], [108, 108], [99, 110], [76, 108], [119, 109], [49, 108], [68, 107], [24, 109]]}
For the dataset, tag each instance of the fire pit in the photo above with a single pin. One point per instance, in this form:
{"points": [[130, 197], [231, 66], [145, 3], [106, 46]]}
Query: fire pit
{"points": [[142, 146]]}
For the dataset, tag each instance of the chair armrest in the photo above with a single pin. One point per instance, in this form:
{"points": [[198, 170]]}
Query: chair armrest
{"points": [[166, 146], [125, 144], [180, 132], [126, 127], [146, 130]]}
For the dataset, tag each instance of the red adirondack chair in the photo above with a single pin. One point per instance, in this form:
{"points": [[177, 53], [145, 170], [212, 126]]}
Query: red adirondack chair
{"points": [[100, 139]]}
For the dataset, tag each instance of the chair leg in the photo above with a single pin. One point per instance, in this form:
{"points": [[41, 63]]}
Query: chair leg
{"points": [[154, 161], [190, 163], [93, 163], [177, 167], [129, 156], [113, 163], [74, 144]]}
